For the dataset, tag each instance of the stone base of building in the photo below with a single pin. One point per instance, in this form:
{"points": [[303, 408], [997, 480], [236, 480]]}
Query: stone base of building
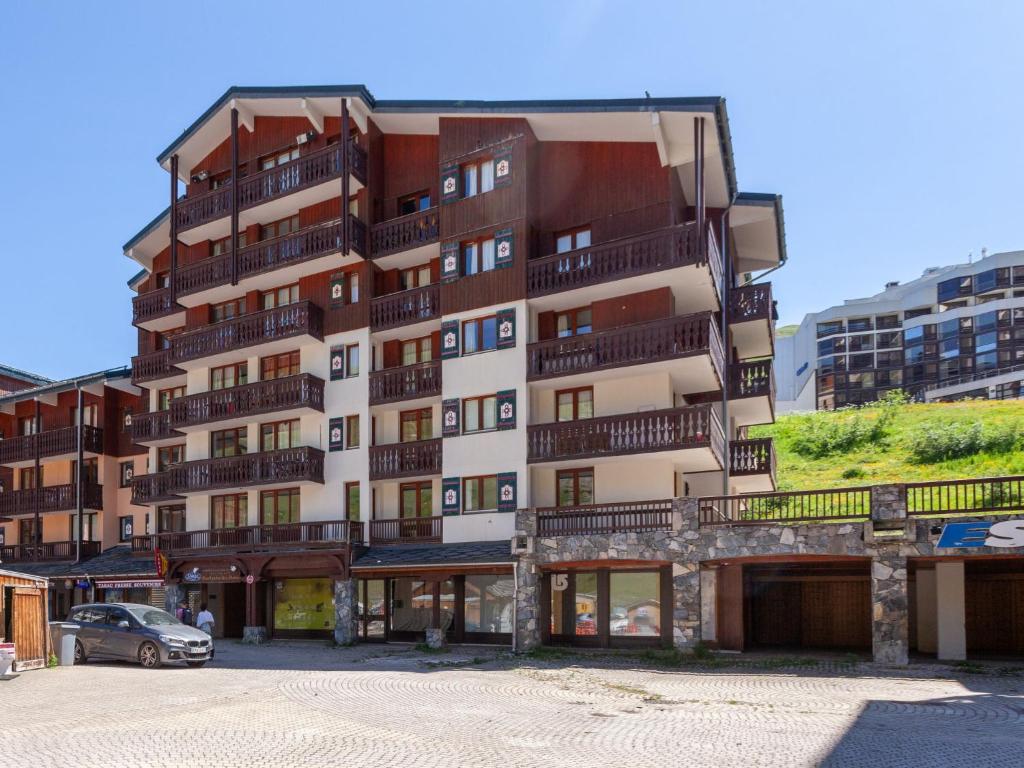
{"points": [[255, 635], [435, 638]]}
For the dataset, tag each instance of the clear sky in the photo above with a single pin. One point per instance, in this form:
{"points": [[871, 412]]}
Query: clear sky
{"points": [[892, 129]]}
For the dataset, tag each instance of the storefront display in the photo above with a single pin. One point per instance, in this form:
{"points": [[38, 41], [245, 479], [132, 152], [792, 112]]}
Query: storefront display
{"points": [[303, 605]]}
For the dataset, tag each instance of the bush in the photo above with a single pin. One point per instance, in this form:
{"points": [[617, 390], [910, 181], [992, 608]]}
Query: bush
{"points": [[956, 439], [853, 472], [822, 434]]}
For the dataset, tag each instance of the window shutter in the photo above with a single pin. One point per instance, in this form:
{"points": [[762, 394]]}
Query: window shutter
{"points": [[507, 409], [336, 434], [506, 491], [450, 502], [503, 249], [450, 418], [506, 319], [449, 183], [449, 339], [337, 286], [449, 262], [503, 168], [337, 363]]}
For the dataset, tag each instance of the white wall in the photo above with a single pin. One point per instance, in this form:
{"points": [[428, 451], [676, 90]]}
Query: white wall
{"points": [[629, 479]]}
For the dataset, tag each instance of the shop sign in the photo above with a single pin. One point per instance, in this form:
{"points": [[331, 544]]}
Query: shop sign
{"points": [[1003, 534], [206, 575], [560, 581], [137, 584], [82, 584]]}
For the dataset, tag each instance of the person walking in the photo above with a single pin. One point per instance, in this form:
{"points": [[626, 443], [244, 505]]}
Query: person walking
{"points": [[186, 615], [205, 620]]}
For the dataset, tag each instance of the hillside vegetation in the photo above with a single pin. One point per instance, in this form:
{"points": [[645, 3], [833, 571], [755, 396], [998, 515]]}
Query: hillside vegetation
{"points": [[896, 441]]}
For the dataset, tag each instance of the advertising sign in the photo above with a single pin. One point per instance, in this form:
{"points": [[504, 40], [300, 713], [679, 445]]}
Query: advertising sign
{"points": [[983, 533]]}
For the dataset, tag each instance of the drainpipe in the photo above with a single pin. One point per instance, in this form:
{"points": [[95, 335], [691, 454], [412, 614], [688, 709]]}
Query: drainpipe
{"points": [[80, 505], [515, 606], [727, 293], [37, 491]]}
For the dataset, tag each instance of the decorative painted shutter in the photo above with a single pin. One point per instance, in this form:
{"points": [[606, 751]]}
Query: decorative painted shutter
{"points": [[506, 319], [506, 491], [337, 288], [450, 502], [449, 262], [449, 339], [450, 418], [336, 434], [449, 183], [507, 409], [503, 168], [503, 249], [337, 363]]}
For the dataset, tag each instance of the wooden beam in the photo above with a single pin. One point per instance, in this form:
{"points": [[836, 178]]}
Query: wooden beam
{"points": [[245, 115], [314, 113], [659, 139]]}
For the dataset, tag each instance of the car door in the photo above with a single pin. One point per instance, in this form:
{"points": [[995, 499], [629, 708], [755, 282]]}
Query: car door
{"points": [[91, 620], [119, 642]]}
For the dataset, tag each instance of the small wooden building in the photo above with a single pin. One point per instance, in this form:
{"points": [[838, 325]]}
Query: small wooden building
{"points": [[23, 602]]}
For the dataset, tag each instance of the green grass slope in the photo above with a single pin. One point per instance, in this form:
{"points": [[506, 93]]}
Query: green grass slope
{"points": [[896, 441]]}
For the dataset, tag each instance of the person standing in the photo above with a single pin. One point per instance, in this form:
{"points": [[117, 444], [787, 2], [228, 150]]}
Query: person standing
{"points": [[205, 620]]}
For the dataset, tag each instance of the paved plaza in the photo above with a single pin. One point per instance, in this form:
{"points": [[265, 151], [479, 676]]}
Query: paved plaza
{"points": [[305, 704]]}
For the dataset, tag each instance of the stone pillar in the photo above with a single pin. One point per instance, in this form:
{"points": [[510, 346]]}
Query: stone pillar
{"points": [[950, 603], [888, 505], [889, 606], [708, 603], [255, 631], [345, 627], [528, 606], [686, 604], [172, 596]]}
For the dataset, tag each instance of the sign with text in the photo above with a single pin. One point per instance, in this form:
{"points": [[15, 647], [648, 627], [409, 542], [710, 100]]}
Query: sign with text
{"points": [[1004, 534]]}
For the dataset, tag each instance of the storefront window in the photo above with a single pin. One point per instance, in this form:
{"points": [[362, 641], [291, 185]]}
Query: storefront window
{"points": [[372, 608], [304, 605], [635, 604], [489, 603], [412, 605], [586, 604], [447, 600]]}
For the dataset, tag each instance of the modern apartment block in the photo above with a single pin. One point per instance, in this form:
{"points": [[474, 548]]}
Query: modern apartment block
{"points": [[953, 333], [370, 331]]}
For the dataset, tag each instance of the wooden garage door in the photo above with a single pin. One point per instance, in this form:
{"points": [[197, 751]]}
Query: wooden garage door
{"points": [[994, 615], [28, 628], [810, 614]]}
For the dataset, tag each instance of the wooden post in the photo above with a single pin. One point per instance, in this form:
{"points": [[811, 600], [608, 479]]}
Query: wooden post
{"points": [[698, 178], [343, 143], [234, 197], [174, 227], [37, 483], [80, 502], [727, 343]]}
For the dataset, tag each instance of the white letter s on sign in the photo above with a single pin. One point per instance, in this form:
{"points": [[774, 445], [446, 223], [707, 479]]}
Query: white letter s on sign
{"points": [[1007, 533]]}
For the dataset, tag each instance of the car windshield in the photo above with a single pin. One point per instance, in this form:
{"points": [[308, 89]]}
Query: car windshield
{"points": [[153, 617]]}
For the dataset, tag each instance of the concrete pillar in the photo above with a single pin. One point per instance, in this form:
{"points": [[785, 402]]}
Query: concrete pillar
{"points": [[951, 632], [686, 604], [345, 612], [889, 607], [172, 596], [926, 611], [528, 608], [708, 603]]}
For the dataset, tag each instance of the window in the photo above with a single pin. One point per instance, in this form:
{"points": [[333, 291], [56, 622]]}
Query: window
{"points": [[488, 603], [477, 177], [127, 473], [126, 527], [92, 415], [279, 158], [352, 286], [831, 346], [27, 478], [479, 414], [351, 361], [860, 324], [987, 322], [229, 442], [575, 486], [171, 519], [229, 511], [479, 334], [414, 203], [417, 351], [279, 366], [227, 310], [162, 280], [27, 425], [279, 435], [227, 376], [479, 493], [986, 342], [913, 335], [164, 397], [352, 431], [986, 361], [279, 507], [163, 340], [829, 328], [279, 228], [169, 456], [417, 499], [90, 530], [222, 247], [414, 277], [352, 500], [951, 289], [417, 425], [572, 239], [573, 322], [90, 470], [478, 256], [281, 297], [573, 404], [27, 531]]}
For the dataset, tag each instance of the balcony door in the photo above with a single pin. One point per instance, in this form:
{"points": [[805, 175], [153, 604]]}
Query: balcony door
{"points": [[417, 425], [574, 404], [575, 487]]}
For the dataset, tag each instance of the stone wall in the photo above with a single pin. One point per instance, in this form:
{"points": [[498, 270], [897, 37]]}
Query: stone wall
{"points": [[345, 612]]}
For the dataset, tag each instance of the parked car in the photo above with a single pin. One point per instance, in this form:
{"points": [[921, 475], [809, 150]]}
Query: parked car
{"points": [[133, 632]]}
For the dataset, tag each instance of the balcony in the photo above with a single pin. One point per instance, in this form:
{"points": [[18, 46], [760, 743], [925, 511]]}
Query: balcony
{"points": [[692, 434], [752, 393], [50, 444], [752, 465], [604, 519], [328, 534], [405, 233], [402, 308], [269, 325], [152, 488], [752, 319], [258, 188], [49, 551], [308, 244], [658, 342], [418, 459], [411, 530], [50, 498], [153, 366], [148, 309], [153, 427], [303, 392], [407, 382]]}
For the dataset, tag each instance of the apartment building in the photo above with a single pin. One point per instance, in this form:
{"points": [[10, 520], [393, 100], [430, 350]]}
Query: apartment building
{"points": [[955, 332], [370, 331], [65, 509]]}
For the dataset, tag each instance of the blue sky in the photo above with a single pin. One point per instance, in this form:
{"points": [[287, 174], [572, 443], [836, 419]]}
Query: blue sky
{"points": [[893, 129]]}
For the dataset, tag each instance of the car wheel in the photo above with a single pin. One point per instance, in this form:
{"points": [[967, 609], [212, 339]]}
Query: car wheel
{"points": [[149, 656], [80, 657], [195, 664]]}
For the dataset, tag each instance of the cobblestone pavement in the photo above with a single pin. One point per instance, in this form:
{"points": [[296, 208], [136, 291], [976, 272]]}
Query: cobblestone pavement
{"points": [[305, 704]]}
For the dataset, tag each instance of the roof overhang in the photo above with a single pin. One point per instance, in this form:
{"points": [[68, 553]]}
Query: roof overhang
{"points": [[94, 383], [758, 231]]}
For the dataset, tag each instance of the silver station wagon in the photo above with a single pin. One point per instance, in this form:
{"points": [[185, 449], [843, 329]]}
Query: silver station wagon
{"points": [[133, 632]]}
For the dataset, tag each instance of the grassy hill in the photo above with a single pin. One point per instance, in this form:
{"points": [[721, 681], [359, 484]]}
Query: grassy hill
{"points": [[897, 441], [786, 330]]}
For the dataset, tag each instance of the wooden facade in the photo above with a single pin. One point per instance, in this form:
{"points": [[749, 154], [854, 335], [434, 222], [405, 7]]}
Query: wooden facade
{"points": [[23, 619]]}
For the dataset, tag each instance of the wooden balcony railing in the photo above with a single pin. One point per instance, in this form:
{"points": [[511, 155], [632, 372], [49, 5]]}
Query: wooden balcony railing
{"points": [[422, 457], [601, 519], [404, 233], [301, 173], [153, 365], [405, 307], [789, 506], [410, 530], [51, 498], [300, 319], [327, 534], [152, 426], [47, 551], [667, 248], [671, 429], [751, 302], [301, 391], [151, 488], [153, 305], [666, 339], [406, 382], [950, 497], [752, 457], [50, 442], [752, 379], [290, 465]]}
